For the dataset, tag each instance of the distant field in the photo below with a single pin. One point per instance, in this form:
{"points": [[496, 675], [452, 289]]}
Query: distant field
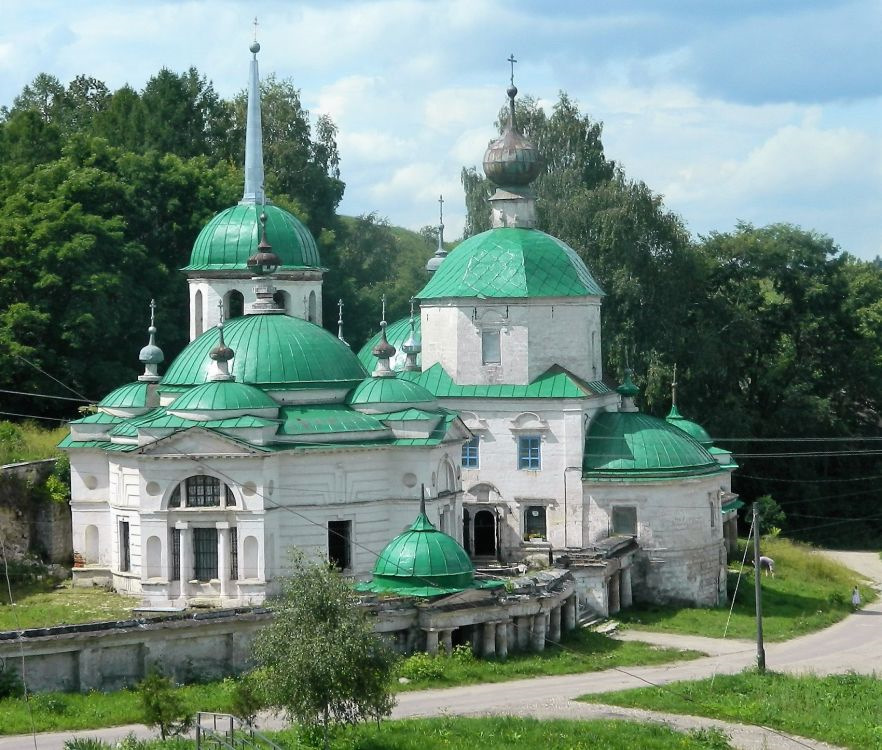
{"points": [[28, 441], [809, 592]]}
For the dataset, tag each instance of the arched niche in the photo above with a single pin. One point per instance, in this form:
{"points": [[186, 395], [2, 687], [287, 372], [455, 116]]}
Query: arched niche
{"points": [[198, 322], [153, 557], [90, 543]]}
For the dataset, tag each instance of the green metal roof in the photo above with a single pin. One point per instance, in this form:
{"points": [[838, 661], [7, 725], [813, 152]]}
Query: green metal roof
{"points": [[172, 422], [272, 351], [129, 427], [105, 445], [322, 420], [223, 395], [555, 382], [396, 334], [422, 561], [436, 437], [129, 396], [636, 445], [693, 429], [512, 262], [407, 415], [231, 237], [389, 391], [98, 418], [734, 504]]}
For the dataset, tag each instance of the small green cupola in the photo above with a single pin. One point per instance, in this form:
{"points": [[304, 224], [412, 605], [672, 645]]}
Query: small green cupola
{"points": [[423, 562], [693, 429]]}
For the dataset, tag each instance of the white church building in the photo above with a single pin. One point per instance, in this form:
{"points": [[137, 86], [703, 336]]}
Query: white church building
{"points": [[268, 433]]}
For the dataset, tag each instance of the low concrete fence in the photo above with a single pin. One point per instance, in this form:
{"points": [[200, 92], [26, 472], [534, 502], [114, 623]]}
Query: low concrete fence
{"points": [[113, 655]]}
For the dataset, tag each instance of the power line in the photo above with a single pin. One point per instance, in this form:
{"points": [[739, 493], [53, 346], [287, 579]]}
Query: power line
{"points": [[34, 416], [62, 384], [45, 395]]}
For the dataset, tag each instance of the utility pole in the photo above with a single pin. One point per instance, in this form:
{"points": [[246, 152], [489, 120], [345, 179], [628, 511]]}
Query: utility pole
{"points": [[757, 572]]}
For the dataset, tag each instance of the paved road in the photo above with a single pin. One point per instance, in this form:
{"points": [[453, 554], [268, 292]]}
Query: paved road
{"points": [[852, 644]]}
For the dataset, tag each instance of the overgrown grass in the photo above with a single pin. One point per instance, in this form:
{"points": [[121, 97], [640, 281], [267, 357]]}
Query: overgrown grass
{"points": [[582, 651], [44, 603], [62, 711], [27, 441], [809, 592], [840, 709], [510, 733]]}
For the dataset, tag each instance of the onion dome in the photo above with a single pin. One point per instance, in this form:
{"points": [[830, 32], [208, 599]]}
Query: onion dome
{"points": [[512, 262], [129, 396], [223, 398], [396, 334], [693, 429], [382, 395], [423, 561], [228, 240], [276, 352], [440, 253], [412, 345], [151, 355], [512, 160], [383, 349], [264, 261], [632, 445]]}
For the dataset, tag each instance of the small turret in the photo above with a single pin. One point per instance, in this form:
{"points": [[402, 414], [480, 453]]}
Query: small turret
{"points": [[221, 354], [628, 391], [151, 355], [383, 351], [440, 253], [412, 345], [264, 263]]}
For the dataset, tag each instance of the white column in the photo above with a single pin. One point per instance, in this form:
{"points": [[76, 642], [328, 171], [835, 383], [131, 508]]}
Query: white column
{"points": [[554, 625], [489, 639], [569, 613], [223, 557], [538, 634], [502, 640], [523, 631], [432, 642], [625, 597], [185, 564], [447, 641]]}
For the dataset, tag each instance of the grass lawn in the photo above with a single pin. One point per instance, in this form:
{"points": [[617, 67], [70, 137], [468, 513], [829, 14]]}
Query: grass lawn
{"points": [[583, 651], [513, 734], [809, 592], [57, 711], [42, 603], [841, 709], [28, 441]]}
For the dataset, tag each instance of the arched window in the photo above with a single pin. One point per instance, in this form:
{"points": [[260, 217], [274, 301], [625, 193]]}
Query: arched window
{"points": [[197, 313], [446, 478], [311, 309], [281, 299], [235, 305], [202, 492]]}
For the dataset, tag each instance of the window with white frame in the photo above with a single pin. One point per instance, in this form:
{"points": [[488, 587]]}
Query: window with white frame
{"points": [[491, 353], [530, 452], [470, 453], [204, 554], [202, 492]]}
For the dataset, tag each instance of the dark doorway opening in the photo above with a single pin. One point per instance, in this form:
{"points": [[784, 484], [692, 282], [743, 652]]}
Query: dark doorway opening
{"points": [[485, 534]]}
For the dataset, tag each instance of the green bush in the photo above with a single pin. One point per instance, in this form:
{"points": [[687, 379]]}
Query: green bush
{"points": [[86, 743], [463, 654], [10, 683], [422, 666], [164, 706]]}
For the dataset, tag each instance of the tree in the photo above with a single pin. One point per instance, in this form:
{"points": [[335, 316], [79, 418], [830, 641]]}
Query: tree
{"points": [[163, 705], [322, 661]]}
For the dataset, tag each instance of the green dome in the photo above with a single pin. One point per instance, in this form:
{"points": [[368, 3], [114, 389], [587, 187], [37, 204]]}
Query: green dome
{"points": [[512, 262], [693, 429], [380, 391], [222, 395], [396, 334], [231, 237], [271, 351], [631, 445], [422, 561], [129, 396]]}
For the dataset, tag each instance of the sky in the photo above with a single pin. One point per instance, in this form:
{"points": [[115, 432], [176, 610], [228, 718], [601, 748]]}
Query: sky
{"points": [[732, 110]]}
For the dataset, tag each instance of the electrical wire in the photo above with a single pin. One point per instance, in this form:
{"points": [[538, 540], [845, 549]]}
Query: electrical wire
{"points": [[63, 385], [34, 416], [46, 395]]}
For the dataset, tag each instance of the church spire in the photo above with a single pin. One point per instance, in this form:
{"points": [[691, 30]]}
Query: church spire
{"points": [[412, 345], [440, 254], [151, 355], [254, 178]]}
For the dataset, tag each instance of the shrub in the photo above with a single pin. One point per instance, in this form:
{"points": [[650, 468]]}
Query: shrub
{"points": [[10, 683], [163, 705], [85, 743], [422, 666], [463, 654], [248, 697]]}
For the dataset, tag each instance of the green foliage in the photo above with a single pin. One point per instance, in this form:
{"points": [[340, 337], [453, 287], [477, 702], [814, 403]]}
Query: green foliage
{"points": [[771, 514], [839, 709], [85, 743], [11, 685], [422, 666], [248, 696], [163, 706], [323, 663]]}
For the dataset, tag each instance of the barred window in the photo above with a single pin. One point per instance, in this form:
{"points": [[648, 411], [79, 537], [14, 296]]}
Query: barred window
{"points": [[231, 498], [534, 522], [204, 554], [234, 553], [175, 555], [203, 492], [470, 453], [175, 500], [125, 562]]}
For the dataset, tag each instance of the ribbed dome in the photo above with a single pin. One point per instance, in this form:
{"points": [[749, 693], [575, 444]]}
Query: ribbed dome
{"points": [[693, 429], [635, 445], [389, 392], [512, 160], [396, 334], [423, 561], [512, 262], [224, 395], [231, 237], [271, 351], [129, 396]]}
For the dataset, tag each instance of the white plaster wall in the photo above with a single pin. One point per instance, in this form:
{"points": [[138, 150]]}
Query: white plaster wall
{"points": [[679, 530], [213, 290]]}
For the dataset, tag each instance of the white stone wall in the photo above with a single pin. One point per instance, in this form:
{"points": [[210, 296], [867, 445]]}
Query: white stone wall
{"points": [[213, 290], [533, 336], [679, 530]]}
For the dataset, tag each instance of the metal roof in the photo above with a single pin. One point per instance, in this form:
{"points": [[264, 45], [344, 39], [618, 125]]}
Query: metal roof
{"points": [[222, 396], [556, 382], [129, 396], [389, 391], [693, 429], [396, 334], [321, 420], [231, 237], [512, 262], [271, 351]]}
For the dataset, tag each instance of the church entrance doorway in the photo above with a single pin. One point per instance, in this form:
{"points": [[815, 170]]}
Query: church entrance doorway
{"points": [[485, 534]]}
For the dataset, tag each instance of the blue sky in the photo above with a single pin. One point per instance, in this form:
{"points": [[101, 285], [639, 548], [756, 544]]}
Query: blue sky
{"points": [[750, 110]]}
